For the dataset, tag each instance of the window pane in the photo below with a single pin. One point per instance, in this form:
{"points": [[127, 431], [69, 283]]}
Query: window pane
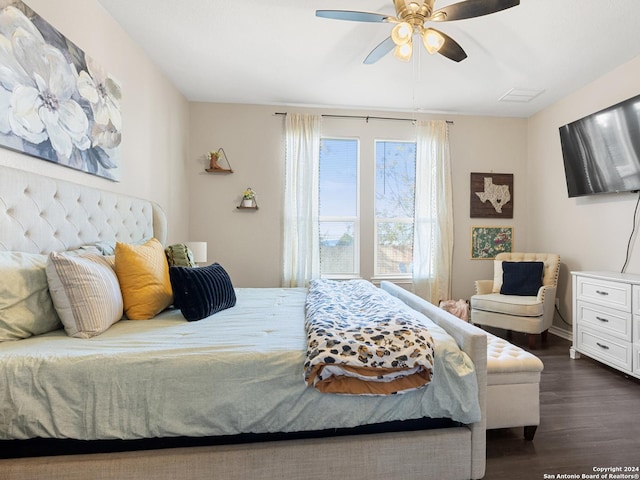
{"points": [[337, 248], [395, 179], [338, 178], [395, 248]]}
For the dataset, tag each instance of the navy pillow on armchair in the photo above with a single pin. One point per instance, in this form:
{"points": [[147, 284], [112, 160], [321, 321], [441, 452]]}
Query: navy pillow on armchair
{"points": [[201, 291], [521, 278]]}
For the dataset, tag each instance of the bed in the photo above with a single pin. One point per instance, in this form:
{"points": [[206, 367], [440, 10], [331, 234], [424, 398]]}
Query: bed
{"points": [[42, 215]]}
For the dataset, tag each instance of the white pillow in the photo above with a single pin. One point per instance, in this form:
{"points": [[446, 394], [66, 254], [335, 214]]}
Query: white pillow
{"points": [[25, 305], [497, 276], [85, 292]]}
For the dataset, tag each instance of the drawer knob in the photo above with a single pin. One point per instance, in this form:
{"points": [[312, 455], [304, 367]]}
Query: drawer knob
{"points": [[602, 319], [600, 292], [602, 346]]}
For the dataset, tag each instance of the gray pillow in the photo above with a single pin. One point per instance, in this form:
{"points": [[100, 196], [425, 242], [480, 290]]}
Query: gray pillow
{"points": [[26, 308]]}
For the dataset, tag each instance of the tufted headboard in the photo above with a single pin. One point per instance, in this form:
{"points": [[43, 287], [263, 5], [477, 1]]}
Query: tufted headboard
{"points": [[40, 214]]}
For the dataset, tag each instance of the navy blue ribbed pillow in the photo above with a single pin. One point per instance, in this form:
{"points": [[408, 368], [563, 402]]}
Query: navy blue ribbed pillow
{"points": [[201, 291], [521, 278]]}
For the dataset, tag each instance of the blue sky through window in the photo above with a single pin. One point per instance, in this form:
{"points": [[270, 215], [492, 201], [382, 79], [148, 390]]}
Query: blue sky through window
{"points": [[338, 178]]}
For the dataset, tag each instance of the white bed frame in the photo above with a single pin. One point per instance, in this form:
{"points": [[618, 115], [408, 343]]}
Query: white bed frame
{"points": [[40, 214]]}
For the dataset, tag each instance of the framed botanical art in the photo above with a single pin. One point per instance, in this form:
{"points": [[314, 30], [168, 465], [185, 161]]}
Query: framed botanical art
{"points": [[487, 242], [491, 195], [56, 103]]}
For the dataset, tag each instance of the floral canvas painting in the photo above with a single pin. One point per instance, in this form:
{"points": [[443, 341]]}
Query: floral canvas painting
{"points": [[56, 103], [487, 242]]}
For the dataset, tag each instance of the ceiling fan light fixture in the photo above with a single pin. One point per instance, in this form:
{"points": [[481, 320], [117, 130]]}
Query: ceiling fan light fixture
{"points": [[432, 40], [403, 52], [402, 33]]}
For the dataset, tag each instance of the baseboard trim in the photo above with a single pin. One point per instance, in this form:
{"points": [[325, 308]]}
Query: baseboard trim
{"points": [[562, 333]]}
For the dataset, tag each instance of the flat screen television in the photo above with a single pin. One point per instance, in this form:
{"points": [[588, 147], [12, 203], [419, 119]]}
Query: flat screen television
{"points": [[601, 151]]}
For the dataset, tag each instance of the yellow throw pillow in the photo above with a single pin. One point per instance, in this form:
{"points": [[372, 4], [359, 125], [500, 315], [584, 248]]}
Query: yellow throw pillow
{"points": [[143, 274]]}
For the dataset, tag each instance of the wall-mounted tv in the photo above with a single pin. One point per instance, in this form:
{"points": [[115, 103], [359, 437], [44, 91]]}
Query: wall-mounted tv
{"points": [[601, 151]]}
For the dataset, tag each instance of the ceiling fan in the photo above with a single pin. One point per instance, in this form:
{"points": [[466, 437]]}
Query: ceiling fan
{"points": [[410, 19]]}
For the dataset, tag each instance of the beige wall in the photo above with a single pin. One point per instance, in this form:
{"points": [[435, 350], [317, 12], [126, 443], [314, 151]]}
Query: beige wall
{"points": [[155, 115], [248, 243], [589, 233]]}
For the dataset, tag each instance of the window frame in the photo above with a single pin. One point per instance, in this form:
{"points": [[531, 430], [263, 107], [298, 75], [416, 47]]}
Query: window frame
{"points": [[377, 220], [355, 219]]}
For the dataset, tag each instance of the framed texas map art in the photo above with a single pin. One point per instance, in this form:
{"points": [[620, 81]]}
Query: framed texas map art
{"points": [[56, 103], [491, 195], [487, 242]]}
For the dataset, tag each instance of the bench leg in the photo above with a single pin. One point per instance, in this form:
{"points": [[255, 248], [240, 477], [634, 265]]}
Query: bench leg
{"points": [[529, 432], [532, 341]]}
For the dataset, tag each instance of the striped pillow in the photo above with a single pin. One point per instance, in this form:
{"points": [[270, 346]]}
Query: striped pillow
{"points": [[85, 292], [202, 291]]}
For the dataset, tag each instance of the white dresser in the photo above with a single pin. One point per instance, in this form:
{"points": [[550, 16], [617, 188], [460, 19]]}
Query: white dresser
{"points": [[606, 319]]}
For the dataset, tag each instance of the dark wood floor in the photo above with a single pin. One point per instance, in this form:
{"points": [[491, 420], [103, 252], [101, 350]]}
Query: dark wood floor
{"points": [[589, 417]]}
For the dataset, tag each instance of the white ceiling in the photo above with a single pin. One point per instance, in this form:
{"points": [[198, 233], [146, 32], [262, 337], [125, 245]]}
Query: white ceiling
{"points": [[279, 52]]}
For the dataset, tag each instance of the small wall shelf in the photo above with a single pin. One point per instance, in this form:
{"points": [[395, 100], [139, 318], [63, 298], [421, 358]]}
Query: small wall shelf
{"points": [[253, 206], [214, 167]]}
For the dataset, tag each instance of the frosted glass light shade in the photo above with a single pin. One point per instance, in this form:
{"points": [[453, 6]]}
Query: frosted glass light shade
{"points": [[432, 40], [403, 52], [402, 33], [199, 250]]}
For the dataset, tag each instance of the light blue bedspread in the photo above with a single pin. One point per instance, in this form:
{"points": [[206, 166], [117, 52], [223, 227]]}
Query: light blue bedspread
{"points": [[238, 371]]}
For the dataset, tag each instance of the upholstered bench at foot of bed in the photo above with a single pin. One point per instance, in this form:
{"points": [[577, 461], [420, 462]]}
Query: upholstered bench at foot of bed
{"points": [[513, 387]]}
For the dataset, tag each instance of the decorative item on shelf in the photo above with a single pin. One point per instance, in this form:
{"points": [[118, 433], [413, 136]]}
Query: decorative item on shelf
{"points": [[199, 250], [248, 199], [214, 158]]}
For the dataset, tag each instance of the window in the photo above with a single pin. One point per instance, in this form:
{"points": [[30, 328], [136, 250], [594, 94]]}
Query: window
{"points": [[394, 208], [381, 207], [339, 226]]}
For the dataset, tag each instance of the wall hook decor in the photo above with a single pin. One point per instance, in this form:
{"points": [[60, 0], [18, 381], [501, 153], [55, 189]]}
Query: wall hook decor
{"points": [[215, 158]]}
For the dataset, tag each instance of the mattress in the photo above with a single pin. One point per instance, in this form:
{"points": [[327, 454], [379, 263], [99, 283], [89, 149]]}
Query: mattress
{"points": [[238, 371]]}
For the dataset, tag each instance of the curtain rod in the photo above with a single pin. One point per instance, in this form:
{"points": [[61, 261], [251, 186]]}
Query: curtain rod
{"points": [[368, 117]]}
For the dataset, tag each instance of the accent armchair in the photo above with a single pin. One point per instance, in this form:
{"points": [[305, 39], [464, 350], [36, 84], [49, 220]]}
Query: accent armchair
{"points": [[521, 296]]}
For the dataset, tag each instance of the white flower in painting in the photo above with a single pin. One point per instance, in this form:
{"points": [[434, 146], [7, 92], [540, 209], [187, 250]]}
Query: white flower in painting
{"points": [[103, 94], [105, 136], [42, 86], [5, 104]]}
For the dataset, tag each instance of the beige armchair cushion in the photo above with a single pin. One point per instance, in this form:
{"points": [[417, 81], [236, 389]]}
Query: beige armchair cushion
{"points": [[521, 306]]}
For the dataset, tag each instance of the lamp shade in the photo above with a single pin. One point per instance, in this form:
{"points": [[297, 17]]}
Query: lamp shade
{"points": [[433, 40], [199, 250], [402, 33], [403, 52]]}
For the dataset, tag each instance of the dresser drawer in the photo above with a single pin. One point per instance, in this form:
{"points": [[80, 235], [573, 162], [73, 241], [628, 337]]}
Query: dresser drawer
{"points": [[602, 347], [610, 294], [608, 320]]}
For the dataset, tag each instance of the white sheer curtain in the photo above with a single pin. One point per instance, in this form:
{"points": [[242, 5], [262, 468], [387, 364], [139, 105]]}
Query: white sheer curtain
{"points": [[301, 251], [433, 223]]}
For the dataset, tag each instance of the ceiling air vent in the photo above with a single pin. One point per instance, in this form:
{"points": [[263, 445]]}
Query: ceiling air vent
{"points": [[520, 95]]}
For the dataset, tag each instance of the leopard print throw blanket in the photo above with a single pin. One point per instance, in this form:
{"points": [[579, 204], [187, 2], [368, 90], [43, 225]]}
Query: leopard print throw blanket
{"points": [[361, 342]]}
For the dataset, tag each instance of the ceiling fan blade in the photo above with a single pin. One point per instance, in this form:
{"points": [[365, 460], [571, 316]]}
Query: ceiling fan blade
{"points": [[352, 16], [451, 49], [471, 9], [380, 51]]}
